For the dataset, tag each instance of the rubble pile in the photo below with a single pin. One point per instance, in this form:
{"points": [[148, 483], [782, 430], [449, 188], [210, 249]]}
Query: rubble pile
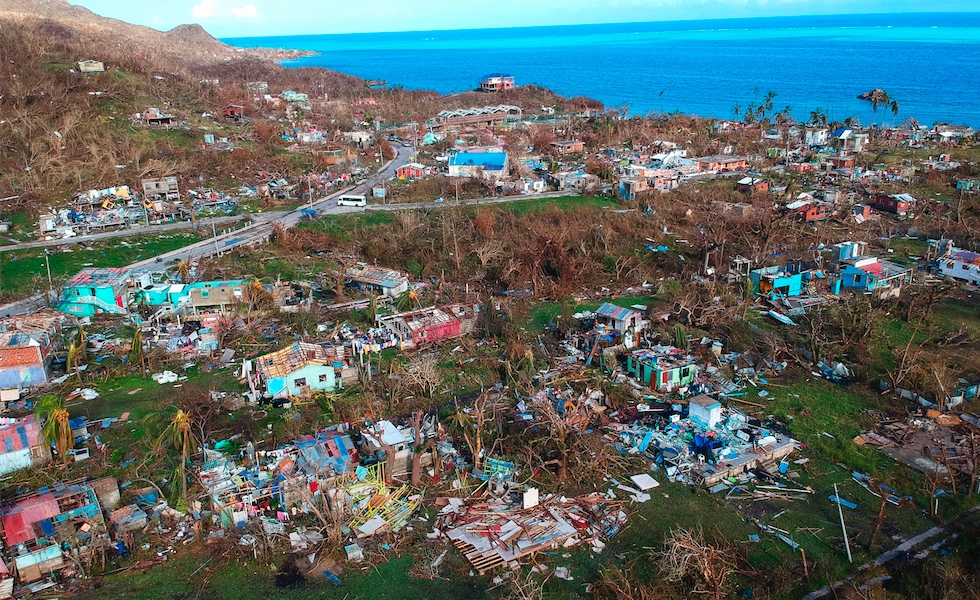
{"points": [[492, 532], [712, 445]]}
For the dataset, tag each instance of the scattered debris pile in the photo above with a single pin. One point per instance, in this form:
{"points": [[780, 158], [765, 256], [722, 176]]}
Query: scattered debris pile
{"points": [[492, 532], [711, 445], [931, 442]]}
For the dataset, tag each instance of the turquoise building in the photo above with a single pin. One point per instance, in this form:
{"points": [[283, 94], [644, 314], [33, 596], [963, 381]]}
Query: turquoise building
{"points": [[94, 291], [298, 370]]}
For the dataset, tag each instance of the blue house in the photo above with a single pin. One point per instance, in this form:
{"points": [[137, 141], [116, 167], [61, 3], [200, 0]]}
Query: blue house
{"points": [[869, 274], [776, 281], [298, 370]]}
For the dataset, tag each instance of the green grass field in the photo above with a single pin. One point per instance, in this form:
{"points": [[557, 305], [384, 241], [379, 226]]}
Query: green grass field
{"points": [[23, 271], [565, 203]]}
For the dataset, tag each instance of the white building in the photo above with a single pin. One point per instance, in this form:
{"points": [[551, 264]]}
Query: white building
{"points": [[817, 137], [705, 411], [960, 264]]}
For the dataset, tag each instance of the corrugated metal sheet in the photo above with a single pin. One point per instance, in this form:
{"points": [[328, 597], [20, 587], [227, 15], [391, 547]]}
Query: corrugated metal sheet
{"points": [[614, 312], [19, 436], [18, 525]]}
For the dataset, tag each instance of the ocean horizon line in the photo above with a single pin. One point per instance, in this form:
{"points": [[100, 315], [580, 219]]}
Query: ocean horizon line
{"points": [[673, 23]]}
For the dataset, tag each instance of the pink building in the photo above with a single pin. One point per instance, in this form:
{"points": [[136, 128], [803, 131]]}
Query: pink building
{"points": [[427, 325]]}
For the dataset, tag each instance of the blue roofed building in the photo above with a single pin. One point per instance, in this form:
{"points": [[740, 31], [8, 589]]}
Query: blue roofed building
{"points": [[469, 163], [619, 318]]}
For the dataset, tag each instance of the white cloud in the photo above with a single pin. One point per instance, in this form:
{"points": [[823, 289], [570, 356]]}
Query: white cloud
{"points": [[204, 10], [245, 12], [207, 9]]}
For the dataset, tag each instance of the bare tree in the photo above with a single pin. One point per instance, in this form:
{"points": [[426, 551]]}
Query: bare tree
{"points": [[688, 557], [424, 373]]}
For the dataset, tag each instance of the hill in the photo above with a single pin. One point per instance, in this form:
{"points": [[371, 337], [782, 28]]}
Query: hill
{"points": [[183, 44]]}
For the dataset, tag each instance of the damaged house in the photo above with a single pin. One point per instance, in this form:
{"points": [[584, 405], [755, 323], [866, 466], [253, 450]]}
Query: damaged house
{"points": [[663, 368], [41, 528], [377, 280], [93, 291], [21, 445], [27, 348], [298, 370], [427, 325]]}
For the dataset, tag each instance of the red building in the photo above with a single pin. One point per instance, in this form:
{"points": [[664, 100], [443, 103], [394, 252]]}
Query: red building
{"points": [[427, 325], [411, 171], [899, 204], [234, 111], [747, 185], [802, 167], [568, 147], [817, 211], [496, 82]]}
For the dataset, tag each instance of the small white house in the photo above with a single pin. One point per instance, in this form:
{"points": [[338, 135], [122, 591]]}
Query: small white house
{"points": [[962, 265], [817, 137], [705, 411], [619, 318]]}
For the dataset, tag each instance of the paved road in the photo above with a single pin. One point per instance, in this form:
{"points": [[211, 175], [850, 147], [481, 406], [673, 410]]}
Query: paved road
{"points": [[261, 226], [104, 235]]}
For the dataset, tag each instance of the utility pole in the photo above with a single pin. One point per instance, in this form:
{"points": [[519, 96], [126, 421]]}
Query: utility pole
{"points": [[214, 231], [47, 264], [847, 544], [309, 186]]}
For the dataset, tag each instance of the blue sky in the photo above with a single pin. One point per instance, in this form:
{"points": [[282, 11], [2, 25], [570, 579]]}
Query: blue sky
{"points": [[246, 18]]}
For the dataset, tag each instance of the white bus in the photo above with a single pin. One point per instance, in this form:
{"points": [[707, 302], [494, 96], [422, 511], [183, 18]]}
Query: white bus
{"points": [[351, 200]]}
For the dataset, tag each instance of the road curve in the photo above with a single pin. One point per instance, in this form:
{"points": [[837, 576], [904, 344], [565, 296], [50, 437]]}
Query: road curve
{"points": [[262, 225]]}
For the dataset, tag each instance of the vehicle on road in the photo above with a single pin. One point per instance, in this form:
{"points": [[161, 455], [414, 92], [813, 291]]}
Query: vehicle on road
{"points": [[351, 200]]}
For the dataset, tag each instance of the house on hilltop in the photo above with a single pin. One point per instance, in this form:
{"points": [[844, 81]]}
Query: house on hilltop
{"points": [[497, 82]]}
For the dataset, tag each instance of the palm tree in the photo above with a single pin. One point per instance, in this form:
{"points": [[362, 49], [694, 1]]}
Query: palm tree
{"points": [[878, 97], [179, 436], [137, 354], [184, 270], [770, 96], [736, 110], [893, 106], [818, 117], [408, 300], [56, 428], [78, 352]]}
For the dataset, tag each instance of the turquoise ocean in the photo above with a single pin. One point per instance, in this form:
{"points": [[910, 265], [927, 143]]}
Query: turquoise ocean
{"points": [[929, 62]]}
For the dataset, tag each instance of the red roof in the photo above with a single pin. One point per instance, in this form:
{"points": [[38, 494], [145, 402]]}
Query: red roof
{"points": [[872, 268], [18, 523], [96, 276], [19, 357], [20, 435]]}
